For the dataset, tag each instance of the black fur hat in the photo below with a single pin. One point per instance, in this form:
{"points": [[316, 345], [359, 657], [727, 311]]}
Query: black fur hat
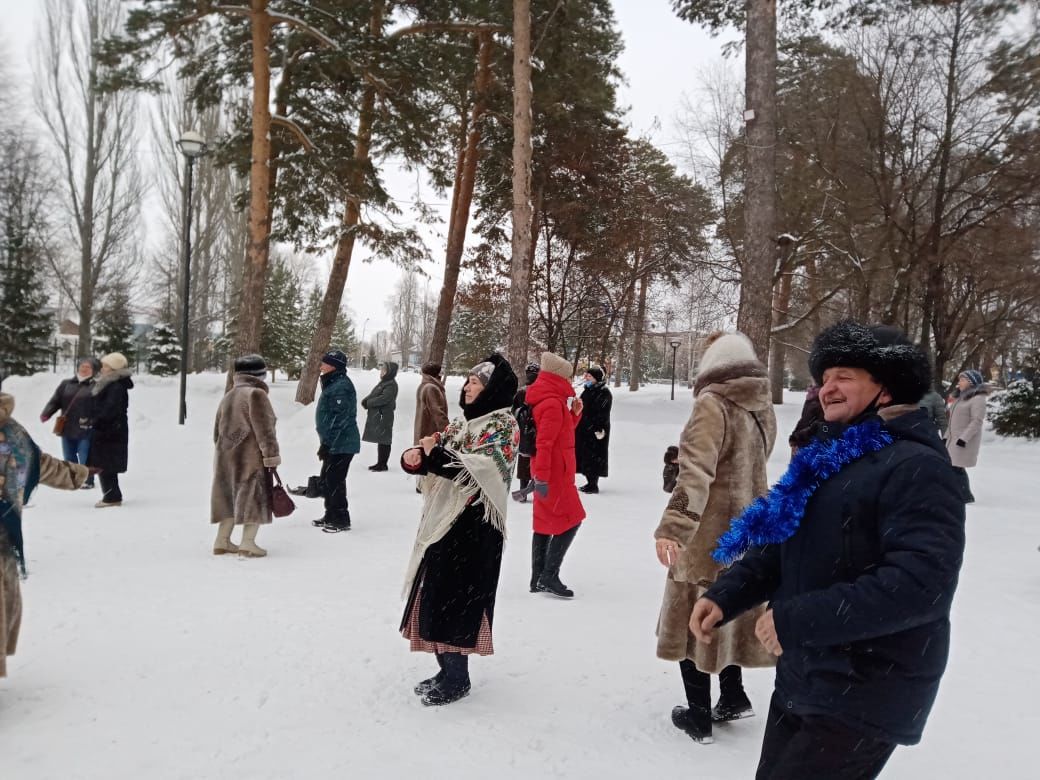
{"points": [[900, 366], [254, 365]]}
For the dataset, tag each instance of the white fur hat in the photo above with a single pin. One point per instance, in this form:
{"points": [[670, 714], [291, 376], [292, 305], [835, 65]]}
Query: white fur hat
{"points": [[554, 364], [114, 360], [727, 350]]}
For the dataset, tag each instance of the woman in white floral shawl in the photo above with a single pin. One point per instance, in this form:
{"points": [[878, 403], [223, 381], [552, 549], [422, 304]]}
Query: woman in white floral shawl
{"points": [[453, 572]]}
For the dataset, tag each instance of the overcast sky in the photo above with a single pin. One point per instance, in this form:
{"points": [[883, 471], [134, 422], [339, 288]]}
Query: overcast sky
{"points": [[662, 58]]}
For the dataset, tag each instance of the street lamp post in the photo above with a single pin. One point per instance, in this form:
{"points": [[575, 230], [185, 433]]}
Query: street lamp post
{"points": [[674, 344], [192, 146], [361, 346]]}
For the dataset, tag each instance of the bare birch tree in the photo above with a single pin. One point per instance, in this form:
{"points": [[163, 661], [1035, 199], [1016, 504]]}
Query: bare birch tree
{"points": [[94, 135]]}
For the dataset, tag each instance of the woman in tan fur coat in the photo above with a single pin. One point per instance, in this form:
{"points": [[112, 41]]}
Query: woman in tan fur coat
{"points": [[22, 468], [246, 447], [722, 469]]}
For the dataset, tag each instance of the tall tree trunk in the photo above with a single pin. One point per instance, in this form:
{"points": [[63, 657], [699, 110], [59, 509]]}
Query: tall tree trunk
{"points": [[777, 350], [637, 346], [330, 304], [517, 340], [462, 200], [254, 275], [754, 315]]}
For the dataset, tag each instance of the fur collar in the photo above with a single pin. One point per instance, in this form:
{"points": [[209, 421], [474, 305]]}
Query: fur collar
{"points": [[248, 380], [728, 372], [104, 380]]}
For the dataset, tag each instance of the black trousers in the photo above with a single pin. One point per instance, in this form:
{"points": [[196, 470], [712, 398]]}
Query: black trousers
{"points": [[962, 477], [334, 480], [110, 492], [523, 470], [796, 747], [383, 451]]}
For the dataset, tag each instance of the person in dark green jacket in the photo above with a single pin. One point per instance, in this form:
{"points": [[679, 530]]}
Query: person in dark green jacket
{"points": [[380, 403], [336, 421]]}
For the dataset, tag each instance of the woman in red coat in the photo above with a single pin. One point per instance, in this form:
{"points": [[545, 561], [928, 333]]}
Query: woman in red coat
{"points": [[557, 508]]}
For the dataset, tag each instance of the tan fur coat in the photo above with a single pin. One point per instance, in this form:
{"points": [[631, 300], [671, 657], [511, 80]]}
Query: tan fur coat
{"points": [[722, 468], [246, 446]]}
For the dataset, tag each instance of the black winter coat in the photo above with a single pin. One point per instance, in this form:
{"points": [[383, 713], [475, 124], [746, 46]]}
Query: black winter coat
{"points": [[525, 422], [459, 574], [74, 400], [861, 593], [108, 449], [591, 452]]}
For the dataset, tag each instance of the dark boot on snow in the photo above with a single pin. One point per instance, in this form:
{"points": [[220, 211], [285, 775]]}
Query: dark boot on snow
{"points": [[430, 683], [454, 685], [539, 547], [733, 703], [695, 719], [549, 582]]}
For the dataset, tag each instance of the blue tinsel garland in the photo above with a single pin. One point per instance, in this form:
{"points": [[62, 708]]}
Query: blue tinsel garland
{"points": [[774, 518]]}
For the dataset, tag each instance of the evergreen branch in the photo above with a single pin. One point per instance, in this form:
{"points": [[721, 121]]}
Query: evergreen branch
{"points": [[295, 129]]}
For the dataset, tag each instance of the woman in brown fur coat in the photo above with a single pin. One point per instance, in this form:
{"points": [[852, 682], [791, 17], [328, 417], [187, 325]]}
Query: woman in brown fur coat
{"points": [[722, 469], [246, 447]]}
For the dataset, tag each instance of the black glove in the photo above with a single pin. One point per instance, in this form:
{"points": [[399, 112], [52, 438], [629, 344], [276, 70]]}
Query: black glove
{"points": [[961, 443], [323, 452]]}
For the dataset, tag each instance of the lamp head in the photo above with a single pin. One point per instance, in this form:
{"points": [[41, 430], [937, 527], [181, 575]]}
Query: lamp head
{"points": [[191, 144]]}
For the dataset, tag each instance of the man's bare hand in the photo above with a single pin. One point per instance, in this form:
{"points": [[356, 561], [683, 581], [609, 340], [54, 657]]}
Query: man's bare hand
{"points": [[765, 630], [706, 615]]}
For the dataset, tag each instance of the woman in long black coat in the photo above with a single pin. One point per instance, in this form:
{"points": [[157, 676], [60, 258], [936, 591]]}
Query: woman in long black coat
{"points": [[379, 424], [592, 436], [109, 448]]}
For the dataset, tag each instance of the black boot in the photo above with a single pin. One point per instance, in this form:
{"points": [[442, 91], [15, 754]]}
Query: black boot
{"points": [[539, 546], [733, 702], [430, 683], [455, 684], [591, 485], [550, 579], [695, 719]]}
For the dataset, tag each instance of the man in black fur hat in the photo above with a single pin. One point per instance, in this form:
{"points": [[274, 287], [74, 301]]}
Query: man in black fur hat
{"points": [[857, 550]]}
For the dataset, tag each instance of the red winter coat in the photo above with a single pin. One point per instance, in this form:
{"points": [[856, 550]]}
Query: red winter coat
{"points": [[554, 462]]}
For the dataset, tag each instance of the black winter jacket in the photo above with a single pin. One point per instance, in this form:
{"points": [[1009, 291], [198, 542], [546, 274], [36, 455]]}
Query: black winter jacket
{"points": [[591, 452], [861, 593], [525, 422], [109, 449], [74, 400]]}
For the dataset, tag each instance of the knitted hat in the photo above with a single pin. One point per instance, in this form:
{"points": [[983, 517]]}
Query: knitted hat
{"points": [[335, 358], [254, 365], [114, 360], [433, 369], [483, 371], [596, 373], [725, 350], [555, 364], [973, 376], [898, 365], [531, 373]]}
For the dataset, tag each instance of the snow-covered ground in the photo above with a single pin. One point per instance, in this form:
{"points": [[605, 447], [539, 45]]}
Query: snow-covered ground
{"points": [[144, 656]]}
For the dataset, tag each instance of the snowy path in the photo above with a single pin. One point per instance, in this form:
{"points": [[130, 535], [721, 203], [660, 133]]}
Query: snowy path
{"points": [[143, 656]]}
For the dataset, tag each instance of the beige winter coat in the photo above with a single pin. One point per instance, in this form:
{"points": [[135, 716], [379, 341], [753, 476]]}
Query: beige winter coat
{"points": [[431, 408], [966, 420], [722, 469], [53, 473], [245, 446]]}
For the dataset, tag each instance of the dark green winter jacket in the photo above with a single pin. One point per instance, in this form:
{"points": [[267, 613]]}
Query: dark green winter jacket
{"points": [[336, 416], [380, 403]]}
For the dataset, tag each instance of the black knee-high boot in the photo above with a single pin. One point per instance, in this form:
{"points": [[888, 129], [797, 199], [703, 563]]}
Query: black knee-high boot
{"points": [[455, 683], [695, 719], [733, 702], [550, 579], [539, 547]]}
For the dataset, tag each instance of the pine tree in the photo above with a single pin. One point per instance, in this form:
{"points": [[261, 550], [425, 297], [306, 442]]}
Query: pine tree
{"points": [[280, 339], [164, 351], [24, 326], [1019, 412], [115, 324]]}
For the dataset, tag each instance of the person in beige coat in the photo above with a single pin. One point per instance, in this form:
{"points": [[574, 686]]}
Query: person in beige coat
{"points": [[964, 435], [722, 469], [22, 468], [246, 451]]}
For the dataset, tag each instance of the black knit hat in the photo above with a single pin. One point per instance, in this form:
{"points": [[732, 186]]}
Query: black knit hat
{"points": [[336, 359], [595, 372], [531, 372], [254, 365], [900, 366]]}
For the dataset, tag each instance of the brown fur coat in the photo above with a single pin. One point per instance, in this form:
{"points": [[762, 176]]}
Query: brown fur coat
{"points": [[431, 408], [722, 468], [245, 447]]}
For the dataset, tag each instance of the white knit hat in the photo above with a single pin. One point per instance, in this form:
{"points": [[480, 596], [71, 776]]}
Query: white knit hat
{"points": [[555, 364], [115, 361]]}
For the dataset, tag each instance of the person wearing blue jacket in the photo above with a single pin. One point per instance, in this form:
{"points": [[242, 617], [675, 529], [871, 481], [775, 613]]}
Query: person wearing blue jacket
{"points": [[336, 421], [857, 550]]}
